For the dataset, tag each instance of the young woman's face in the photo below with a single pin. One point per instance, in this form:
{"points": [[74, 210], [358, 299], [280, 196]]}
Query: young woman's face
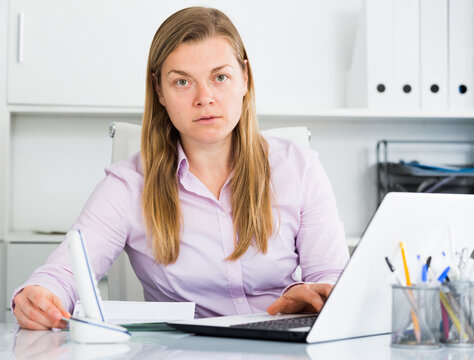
{"points": [[202, 87]]}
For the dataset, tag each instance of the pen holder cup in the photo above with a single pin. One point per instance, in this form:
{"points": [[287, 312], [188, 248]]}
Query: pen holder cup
{"points": [[416, 317], [457, 308]]}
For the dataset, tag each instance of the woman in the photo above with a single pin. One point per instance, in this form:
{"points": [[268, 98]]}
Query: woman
{"points": [[209, 211]]}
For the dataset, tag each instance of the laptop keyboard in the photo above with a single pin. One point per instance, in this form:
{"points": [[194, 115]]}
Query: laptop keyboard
{"points": [[281, 324]]}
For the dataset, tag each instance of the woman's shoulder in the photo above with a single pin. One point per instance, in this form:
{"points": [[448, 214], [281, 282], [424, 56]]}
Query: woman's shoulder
{"points": [[129, 170]]}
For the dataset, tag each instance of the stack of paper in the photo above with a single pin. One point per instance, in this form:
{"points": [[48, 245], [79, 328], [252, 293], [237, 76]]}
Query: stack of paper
{"points": [[139, 315]]}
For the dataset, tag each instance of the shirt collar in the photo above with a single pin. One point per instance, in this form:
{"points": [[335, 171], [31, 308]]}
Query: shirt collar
{"points": [[183, 164]]}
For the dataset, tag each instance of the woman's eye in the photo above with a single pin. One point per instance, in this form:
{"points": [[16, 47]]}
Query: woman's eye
{"points": [[182, 82], [221, 78]]}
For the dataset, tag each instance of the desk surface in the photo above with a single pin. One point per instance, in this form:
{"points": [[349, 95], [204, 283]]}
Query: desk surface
{"points": [[25, 344]]}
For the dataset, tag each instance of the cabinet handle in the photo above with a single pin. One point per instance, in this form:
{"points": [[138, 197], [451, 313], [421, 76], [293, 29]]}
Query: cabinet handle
{"points": [[21, 18]]}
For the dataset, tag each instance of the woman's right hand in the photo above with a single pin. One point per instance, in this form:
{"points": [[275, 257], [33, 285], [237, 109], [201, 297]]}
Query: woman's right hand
{"points": [[37, 308]]}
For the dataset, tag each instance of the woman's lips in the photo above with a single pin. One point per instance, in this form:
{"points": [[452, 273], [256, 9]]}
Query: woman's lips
{"points": [[207, 119]]}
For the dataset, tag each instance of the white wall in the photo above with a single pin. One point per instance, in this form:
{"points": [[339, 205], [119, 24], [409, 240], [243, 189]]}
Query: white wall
{"points": [[4, 117], [57, 157], [347, 152], [48, 195]]}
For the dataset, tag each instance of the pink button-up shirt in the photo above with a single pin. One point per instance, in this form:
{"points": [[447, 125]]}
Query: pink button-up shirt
{"points": [[310, 234]]}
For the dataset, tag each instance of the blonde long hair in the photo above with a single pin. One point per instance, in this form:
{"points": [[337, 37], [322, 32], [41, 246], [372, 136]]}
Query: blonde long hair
{"points": [[250, 184]]}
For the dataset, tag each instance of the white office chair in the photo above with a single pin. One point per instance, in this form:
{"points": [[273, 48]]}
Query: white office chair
{"points": [[126, 138], [123, 283]]}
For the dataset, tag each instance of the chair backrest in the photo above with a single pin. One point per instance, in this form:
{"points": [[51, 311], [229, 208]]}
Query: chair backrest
{"points": [[122, 281], [126, 138]]}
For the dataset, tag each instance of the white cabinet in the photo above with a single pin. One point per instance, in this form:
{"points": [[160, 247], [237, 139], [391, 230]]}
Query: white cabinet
{"points": [[66, 52], [18, 260], [94, 53], [21, 260]]}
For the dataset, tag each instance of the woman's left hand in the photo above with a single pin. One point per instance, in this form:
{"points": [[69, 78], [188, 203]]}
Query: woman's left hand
{"points": [[301, 298]]}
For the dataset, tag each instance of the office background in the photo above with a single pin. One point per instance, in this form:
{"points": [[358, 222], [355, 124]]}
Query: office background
{"points": [[68, 69]]}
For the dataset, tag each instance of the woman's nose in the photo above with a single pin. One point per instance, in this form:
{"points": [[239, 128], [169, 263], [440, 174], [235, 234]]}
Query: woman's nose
{"points": [[203, 96]]}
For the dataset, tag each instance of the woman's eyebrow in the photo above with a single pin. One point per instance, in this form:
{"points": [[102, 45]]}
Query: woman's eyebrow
{"points": [[218, 68], [180, 72], [184, 73]]}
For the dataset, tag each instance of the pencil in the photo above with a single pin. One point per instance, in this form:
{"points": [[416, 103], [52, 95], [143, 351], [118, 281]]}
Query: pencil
{"points": [[405, 264], [454, 318], [414, 318]]}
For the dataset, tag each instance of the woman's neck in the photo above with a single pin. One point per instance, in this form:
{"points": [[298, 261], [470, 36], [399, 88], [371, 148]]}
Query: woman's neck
{"points": [[211, 163]]}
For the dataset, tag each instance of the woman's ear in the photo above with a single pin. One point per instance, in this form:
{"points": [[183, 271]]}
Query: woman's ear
{"points": [[156, 86], [245, 76]]}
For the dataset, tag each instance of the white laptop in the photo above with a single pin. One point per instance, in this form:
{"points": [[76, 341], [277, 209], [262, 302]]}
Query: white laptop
{"points": [[360, 303]]}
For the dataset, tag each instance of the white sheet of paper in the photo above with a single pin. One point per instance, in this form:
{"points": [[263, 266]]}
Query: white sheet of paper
{"points": [[130, 312]]}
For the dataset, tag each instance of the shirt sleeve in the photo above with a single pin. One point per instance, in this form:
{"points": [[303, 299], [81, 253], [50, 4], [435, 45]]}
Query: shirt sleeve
{"points": [[103, 223], [320, 241]]}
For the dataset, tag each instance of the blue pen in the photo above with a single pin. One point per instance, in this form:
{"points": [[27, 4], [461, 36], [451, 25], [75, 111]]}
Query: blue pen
{"points": [[424, 274], [444, 275], [441, 278]]}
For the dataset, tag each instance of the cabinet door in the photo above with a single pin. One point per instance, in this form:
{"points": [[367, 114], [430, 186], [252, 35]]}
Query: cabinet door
{"points": [[22, 260], [93, 53]]}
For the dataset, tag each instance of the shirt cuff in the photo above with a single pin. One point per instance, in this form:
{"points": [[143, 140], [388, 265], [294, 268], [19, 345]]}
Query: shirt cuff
{"points": [[48, 283], [330, 282]]}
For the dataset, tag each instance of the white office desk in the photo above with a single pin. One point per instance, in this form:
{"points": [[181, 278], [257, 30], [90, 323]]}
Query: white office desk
{"points": [[25, 344]]}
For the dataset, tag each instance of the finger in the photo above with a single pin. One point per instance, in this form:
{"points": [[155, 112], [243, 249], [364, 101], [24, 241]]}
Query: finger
{"points": [[286, 305], [26, 322], [24, 310], [275, 307], [33, 310], [47, 308], [315, 301], [307, 295], [46, 304], [59, 305], [322, 289]]}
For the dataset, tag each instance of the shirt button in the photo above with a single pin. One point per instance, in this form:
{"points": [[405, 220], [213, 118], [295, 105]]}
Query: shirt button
{"points": [[240, 301]]}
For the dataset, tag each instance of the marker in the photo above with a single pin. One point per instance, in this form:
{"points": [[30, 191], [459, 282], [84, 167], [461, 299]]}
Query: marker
{"points": [[428, 266], [395, 272]]}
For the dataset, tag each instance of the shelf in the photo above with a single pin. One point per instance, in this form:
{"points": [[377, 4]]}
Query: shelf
{"points": [[32, 237], [345, 114], [342, 114], [61, 109]]}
